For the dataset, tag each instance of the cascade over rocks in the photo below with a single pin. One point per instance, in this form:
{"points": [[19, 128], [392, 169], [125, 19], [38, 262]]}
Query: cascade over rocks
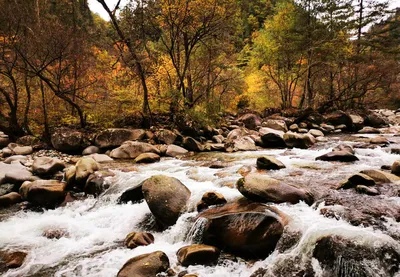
{"points": [[262, 188], [198, 254], [342, 257], [145, 265], [246, 229], [132, 149], [166, 197], [115, 137]]}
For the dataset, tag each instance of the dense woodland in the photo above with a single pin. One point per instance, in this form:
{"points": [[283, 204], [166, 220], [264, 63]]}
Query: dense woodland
{"points": [[61, 64]]}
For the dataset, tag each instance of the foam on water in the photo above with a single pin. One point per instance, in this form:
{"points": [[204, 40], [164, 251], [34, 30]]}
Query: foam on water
{"points": [[96, 228]]}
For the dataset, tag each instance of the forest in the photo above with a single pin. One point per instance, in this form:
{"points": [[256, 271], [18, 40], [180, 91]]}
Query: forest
{"points": [[63, 65]]}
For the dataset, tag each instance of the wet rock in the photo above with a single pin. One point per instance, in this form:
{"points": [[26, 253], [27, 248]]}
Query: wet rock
{"points": [[210, 199], [16, 159], [175, 150], [395, 151], [101, 158], [115, 137], [96, 183], [272, 138], [10, 199], [246, 229], [145, 265], [396, 168], [302, 141], [269, 163], [218, 139], [327, 128], [316, 133], [380, 140], [166, 197], [250, 121], [136, 239], [68, 140], [90, 150], [375, 120], [46, 166], [275, 124], [55, 233], [23, 150], [14, 174], [361, 179], [240, 144], [147, 158], [369, 130], [342, 257], [261, 188], [367, 190], [191, 144], [84, 167], [344, 147], [337, 156], [44, 193], [6, 152], [133, 194], [198, 254], [165, 136], [12, 259], [132, 149], [380, 177], [69, 176], [294, 127], [4, 140], [339, 118], [357, 120]]}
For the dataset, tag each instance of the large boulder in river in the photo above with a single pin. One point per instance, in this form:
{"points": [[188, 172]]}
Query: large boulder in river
{"points": [[115, 137], [250, 121], [132, 149], [246, 229], [262, 188], [46, 166], [272, 138], [23, 150], [166, 197], [136, 239], [198, 254], [133, 194], [295, 140], [147, 158], [44, 193], [68, 140], [14, 174], [269, 163], [210, 198], [97, 183], [145, 265]]}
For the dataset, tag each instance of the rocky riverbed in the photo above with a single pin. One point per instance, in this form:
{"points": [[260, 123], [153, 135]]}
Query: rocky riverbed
{"points": [[316, 202]]}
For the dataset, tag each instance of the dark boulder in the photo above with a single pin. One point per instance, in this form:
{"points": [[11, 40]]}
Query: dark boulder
{"points": [[198, 254], [115, 137], [136, 239], [269, 163], [146, 265]]}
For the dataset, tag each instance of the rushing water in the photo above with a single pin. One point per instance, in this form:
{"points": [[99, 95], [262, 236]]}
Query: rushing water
{"points": [[95, 228]]}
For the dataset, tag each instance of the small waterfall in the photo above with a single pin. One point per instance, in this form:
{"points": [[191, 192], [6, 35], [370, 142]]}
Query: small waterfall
{"points": [[195, 234]]}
